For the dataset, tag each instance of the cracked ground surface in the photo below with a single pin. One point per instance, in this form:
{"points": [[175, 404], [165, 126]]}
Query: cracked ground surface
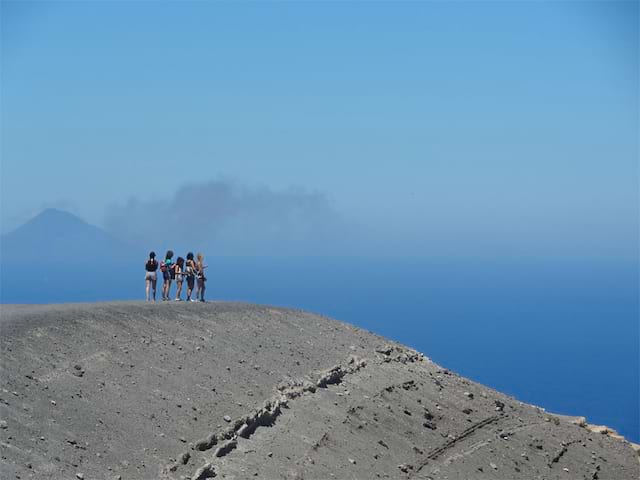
{"points": [[226, 390]]}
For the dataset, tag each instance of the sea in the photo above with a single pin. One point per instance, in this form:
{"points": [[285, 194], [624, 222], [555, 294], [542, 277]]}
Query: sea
{"points": [[560, 334]]}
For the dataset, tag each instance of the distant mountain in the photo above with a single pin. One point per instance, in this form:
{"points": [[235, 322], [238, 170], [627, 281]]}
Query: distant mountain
{"points": [[55, 236], [58, 257]]}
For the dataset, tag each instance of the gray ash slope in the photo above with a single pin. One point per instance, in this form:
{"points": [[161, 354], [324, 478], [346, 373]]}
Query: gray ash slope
{"points": [[227, 390]]}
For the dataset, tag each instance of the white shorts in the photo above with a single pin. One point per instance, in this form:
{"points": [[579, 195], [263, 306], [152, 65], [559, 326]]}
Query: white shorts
{"points": [[151, 276]]}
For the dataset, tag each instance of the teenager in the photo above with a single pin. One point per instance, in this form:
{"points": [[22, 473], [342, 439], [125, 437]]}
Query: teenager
{"points": [[150, 277], [166, 266], [190, 273], [178, 270], [200, 266]]}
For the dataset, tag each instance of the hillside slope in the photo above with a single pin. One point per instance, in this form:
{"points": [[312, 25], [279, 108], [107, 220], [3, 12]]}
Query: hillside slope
{"points": [[175, 391]]}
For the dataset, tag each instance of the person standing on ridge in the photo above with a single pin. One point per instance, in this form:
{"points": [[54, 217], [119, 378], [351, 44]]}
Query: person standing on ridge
{"points": [[150, 277], [178, 273], [190, 271], [166, 266], [200, 266]]}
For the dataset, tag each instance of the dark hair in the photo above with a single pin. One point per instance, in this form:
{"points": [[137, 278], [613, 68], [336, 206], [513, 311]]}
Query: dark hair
{"points": [[180, 261], [152, 255], [190, 256], [169, 254]]}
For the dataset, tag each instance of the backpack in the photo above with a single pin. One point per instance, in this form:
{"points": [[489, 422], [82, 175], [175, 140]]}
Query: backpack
{"points": [[163, 267]]}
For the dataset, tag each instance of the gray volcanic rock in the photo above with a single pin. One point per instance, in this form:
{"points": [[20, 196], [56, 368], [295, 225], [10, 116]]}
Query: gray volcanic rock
{"points": [[226, 390]]}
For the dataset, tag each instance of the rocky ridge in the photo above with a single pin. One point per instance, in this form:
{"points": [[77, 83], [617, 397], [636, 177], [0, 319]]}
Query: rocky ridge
{"points": [[225, 390]]}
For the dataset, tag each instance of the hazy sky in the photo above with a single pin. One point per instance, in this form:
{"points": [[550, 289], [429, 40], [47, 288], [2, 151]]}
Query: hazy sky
{"points": [[424, 128]]}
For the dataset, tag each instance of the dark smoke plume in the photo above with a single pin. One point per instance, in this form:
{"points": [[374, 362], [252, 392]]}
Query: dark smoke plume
{"points": [[234, 218]]}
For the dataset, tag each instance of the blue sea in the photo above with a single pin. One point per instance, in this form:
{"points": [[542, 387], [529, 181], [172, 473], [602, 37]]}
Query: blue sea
{"points": [[563, 335]]}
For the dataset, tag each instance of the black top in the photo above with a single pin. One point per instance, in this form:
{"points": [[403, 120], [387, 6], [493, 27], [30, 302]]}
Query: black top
{"points": [[151, 266]]}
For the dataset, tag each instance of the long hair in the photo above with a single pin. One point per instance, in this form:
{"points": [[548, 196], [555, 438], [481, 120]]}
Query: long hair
{"points": [[169, 255], [152, 255], [180, 261], [200, 258]]}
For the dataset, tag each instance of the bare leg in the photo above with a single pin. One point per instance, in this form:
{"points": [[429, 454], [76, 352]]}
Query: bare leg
{"points": [[147, 288], [179, 291], [201, 288], [153, 285]]}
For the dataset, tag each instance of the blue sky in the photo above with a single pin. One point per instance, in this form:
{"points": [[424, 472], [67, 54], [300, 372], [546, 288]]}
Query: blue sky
{"points": [[427, 128]]}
